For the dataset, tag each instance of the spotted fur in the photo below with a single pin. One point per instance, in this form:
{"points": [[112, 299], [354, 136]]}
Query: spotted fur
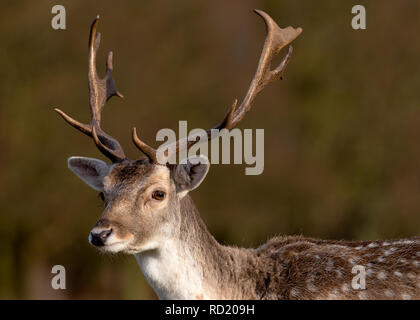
{"points": [[182, 260]]}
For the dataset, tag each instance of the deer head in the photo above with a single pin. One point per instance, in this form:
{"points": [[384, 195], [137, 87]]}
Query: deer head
{"points": [[142, 198]]}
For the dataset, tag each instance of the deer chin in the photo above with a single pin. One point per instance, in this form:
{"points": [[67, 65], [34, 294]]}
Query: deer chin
{"points": [[116, 247]]}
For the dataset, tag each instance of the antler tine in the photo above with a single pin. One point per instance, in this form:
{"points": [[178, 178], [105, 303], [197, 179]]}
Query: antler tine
{"points": [[275, 41], [143, 147], [101, 90]]}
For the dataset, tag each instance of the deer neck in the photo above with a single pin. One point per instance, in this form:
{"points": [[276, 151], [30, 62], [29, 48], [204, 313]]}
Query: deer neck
{"points": [[189, 264]]}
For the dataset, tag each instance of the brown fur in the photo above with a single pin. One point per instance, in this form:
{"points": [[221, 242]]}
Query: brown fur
{"points": [[303, 268], [283, 268]]}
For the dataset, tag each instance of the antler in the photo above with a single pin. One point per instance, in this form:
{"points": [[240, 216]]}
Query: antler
{"points": [[275, 41], [101, 90]]}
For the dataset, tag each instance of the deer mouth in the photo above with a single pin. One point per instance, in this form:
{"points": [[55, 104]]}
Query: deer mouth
{"points": [[114, 246]]}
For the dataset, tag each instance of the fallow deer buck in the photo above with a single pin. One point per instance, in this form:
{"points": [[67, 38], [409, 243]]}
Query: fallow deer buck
{"points": [[149, 213]]}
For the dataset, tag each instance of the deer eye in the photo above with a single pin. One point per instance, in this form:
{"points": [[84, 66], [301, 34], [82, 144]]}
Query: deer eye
{"points": [[102, 196], [158, 195]]}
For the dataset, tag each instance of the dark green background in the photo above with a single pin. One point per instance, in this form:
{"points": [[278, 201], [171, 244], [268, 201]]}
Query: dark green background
{"points": [[341, 131]]}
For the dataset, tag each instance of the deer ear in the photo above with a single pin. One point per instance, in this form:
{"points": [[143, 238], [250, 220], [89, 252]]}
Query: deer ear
{"points": [[91, 171], [190, 173]]}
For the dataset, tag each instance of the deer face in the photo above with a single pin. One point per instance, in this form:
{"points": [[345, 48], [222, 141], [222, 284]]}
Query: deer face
{"points": [[141, 200]]}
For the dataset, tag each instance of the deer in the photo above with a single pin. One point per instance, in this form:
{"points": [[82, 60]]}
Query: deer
{"points": [[149, 213]]}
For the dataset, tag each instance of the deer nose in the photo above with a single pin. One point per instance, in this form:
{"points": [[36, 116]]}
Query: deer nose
{"points": [[99, 237]]}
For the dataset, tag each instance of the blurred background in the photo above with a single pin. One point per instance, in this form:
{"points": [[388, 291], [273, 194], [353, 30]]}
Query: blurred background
{"points": [[341, 130]]}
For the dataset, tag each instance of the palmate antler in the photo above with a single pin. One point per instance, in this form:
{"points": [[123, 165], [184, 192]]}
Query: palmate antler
{"points": [[101, 90], [275, 41]]}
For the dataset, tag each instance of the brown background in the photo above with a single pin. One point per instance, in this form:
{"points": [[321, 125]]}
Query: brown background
{"points": [[341, 131]]}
